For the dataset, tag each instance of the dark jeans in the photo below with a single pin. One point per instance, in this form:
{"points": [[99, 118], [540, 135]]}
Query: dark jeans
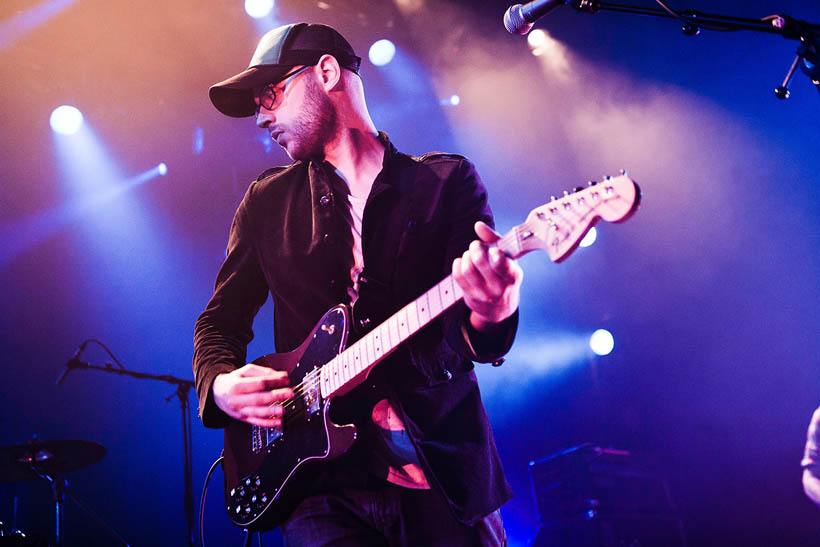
{"points": [[389, 516]]}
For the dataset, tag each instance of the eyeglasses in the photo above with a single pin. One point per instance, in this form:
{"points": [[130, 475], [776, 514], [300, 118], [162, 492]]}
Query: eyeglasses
{"points": [[270, 97]]}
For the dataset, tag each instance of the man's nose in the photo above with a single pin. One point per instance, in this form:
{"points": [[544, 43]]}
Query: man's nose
{"points": [[263, 119]]}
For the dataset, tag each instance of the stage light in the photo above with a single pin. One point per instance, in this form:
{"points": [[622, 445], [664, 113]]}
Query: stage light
{"points": [[601, 342], [590, 238], [452, 100], [536, 38], [382, 52], [258, 8], [66, 120], [162, 169], [410, 6]]}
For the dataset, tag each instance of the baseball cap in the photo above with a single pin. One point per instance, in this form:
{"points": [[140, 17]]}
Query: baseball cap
{"points": [[278, 51]]}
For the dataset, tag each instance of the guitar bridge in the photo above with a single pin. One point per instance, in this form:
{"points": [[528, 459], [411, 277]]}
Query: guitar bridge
{"points": [[311, 394], [263, 437]]}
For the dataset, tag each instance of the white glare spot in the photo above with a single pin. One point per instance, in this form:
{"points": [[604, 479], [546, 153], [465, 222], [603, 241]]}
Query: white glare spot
{"points": [[66, 120], [536, 38], [590, 238], [258, 8], [455, 100], [381, 52], [601, 342], [162, 169]]}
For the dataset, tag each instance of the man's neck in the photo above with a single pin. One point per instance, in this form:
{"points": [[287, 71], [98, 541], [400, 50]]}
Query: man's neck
{"points": [[358, 154]]}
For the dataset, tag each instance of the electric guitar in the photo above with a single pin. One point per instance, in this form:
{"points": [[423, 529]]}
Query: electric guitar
{"points": [[263, 465]]}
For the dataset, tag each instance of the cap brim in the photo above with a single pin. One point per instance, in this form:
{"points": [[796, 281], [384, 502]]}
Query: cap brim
{"points": [[234, 96]]}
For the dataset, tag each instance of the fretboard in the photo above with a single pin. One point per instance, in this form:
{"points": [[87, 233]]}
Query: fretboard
{"points": [[350, 368]]}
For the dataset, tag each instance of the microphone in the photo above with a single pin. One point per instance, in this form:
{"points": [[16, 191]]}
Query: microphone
{"points": [[518, 19], [73, 363]]}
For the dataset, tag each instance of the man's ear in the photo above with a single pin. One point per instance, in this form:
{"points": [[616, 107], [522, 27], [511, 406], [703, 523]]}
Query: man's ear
{"points": [[329, 71]]}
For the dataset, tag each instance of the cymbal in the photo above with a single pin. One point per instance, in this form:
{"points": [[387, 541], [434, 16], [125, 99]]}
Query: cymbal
{"points": [[30, 460]]}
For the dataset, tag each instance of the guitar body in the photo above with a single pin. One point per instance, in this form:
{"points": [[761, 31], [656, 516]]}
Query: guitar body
{"points": [[261, 470]]}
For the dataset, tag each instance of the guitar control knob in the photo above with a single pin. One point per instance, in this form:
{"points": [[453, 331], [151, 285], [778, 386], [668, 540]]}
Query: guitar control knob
{"points": [[253, 499], [264, 498], [247, 482], [257, 481], [247, 509]]}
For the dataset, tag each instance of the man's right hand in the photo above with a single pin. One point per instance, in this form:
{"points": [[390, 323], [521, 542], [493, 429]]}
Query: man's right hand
{"points": [[253, 394]]}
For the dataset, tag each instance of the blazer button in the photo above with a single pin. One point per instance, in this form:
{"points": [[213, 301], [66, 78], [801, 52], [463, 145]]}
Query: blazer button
{"points": [[326, 199], [329, 239]]}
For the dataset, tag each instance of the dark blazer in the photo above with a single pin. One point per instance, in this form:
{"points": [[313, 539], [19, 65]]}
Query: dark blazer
{"points": [[289, 237]]}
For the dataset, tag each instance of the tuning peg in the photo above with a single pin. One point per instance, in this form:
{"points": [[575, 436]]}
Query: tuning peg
{"points": [[606, 178], [577, 189], [552, 198], [566, 193], [592, 182], [622, 171]]}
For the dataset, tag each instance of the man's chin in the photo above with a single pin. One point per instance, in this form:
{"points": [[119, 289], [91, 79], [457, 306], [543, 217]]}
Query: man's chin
{"points": [[298, 153]]}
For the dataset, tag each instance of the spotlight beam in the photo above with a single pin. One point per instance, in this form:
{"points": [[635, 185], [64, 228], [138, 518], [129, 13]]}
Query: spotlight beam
{"points": [[16, 26], [25, 234]]}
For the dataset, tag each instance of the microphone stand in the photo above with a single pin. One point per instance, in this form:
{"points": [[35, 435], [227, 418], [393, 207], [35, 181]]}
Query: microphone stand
{"points": [[807, 57], [182, 389]]}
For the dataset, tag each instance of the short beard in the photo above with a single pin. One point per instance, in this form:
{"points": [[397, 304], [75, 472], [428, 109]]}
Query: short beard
{"points": [[316, 125]]}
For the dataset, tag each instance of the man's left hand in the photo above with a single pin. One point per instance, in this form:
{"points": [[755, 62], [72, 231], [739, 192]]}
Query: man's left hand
{"points": [[491, 280]]}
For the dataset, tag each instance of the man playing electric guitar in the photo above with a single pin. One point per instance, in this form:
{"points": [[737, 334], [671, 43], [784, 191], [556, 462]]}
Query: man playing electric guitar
{"points": [[352, 220]]}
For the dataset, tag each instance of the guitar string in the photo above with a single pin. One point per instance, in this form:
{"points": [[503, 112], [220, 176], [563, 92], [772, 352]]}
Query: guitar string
{"points": [[290, 411]]}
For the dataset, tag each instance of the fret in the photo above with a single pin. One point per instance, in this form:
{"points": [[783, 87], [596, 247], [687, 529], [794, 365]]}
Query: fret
{"points": [[435, 301], [324, 374], [365, 360], [361, 358], [393, 327], [345, 366], [378, 343], [384, 334], [446, 292], [423, 310], [334, 379], [454, 292], [371, 353], [404, 328], [355, 359], [412, 316]]}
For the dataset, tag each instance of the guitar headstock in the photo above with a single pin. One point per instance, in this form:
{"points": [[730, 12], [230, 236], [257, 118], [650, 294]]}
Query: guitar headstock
{"points": [[559, 225]]}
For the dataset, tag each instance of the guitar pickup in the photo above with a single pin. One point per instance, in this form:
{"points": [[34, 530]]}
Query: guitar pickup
{"points": [[311, 396]]}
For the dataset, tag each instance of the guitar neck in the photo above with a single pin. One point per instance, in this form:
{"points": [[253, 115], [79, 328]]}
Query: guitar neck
{"points": [[351, 367], [556, 227]]}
